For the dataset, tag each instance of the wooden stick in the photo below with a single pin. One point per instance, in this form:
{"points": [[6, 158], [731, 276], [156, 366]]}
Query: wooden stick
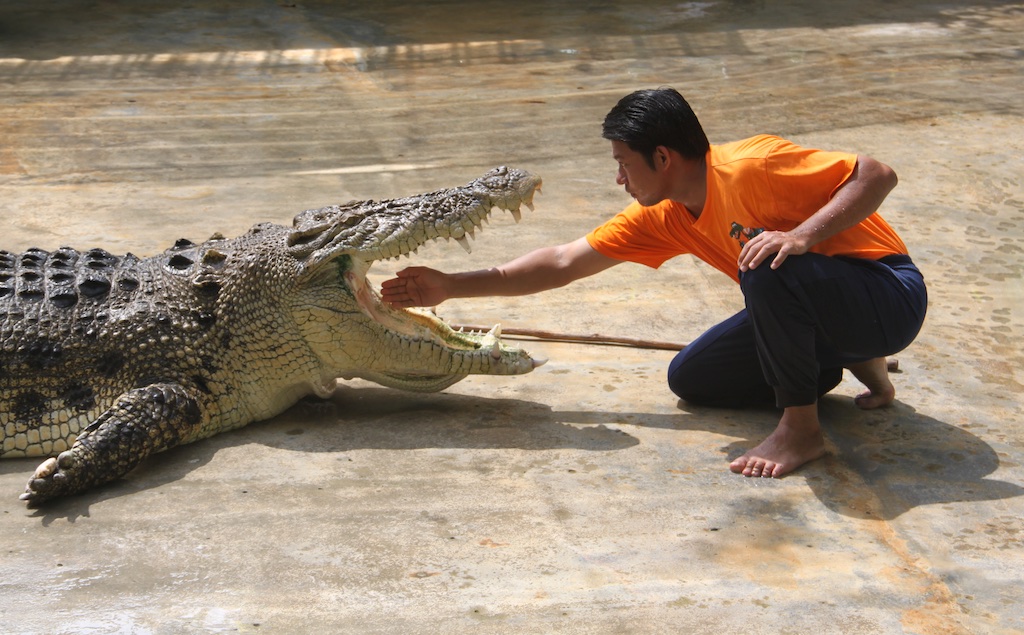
{"points": [[892, 364], [594, 338]]}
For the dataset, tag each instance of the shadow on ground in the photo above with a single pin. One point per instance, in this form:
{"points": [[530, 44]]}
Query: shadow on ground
{"points": [[360, 419], [904, 459], [882, 464]]}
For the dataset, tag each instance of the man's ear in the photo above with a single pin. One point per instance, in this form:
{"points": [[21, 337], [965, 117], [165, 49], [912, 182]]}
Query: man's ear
{"points": [[662, 156]]}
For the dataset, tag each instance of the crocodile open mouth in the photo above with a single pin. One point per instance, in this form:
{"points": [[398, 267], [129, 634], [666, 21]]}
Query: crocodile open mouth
{"points": [[419, 323], [434, 355]]}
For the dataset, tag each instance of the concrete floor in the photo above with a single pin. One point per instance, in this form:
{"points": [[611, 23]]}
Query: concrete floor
{"points": [[582, 498]]}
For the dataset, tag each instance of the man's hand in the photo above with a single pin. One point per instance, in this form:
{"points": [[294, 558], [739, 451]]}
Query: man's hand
{"points": [[415, 286], [761, 247]]}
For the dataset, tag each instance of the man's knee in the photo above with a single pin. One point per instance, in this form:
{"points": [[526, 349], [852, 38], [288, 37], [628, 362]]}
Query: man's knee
{"points": [[688, 381], [697, 384], [680, 385]]}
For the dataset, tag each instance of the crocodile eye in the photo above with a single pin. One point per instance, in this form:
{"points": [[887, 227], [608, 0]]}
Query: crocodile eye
{"points": [[214, 257]]}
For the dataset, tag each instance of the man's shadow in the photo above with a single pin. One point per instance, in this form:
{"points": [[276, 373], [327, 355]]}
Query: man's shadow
{"points": [[880, 463], [905, 459]]}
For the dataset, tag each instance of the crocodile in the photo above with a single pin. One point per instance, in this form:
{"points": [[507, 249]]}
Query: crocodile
{"points": [[106, 360]]}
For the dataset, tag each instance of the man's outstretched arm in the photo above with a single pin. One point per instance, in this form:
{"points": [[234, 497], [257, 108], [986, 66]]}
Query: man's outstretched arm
{"points": [[540, 270]]}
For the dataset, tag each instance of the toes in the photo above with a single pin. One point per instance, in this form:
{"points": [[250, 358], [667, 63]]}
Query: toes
{"points": [[752, 467], [755, 467], [46, 468], [48, 479]]}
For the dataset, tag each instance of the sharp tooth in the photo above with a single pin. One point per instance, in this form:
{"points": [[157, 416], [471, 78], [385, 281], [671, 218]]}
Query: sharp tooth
{"points": [[516, 214], [537, 362], [465, 244], [491, 342]]}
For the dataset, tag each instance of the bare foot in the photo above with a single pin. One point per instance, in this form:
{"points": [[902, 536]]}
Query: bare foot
{"points": [[875, 376], [797, 440]]}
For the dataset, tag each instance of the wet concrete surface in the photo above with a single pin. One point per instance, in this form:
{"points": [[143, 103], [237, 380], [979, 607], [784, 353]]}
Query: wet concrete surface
{"points": [[582, 498]]}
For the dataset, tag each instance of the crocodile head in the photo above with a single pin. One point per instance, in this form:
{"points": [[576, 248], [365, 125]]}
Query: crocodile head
{"points": [[356, 333]]}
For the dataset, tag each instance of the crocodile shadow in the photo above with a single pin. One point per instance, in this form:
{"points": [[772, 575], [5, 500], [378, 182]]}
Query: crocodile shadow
{"points": [[357, 418]]}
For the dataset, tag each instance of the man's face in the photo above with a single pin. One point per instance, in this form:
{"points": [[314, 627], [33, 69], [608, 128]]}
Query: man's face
{"points": [[641, 181]]}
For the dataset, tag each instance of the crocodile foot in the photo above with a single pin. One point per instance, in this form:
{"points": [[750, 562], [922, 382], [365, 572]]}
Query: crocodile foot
{"points": [[49, 480]]}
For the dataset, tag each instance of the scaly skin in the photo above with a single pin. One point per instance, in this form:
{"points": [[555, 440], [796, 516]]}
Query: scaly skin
{"points": [[105, 360]]}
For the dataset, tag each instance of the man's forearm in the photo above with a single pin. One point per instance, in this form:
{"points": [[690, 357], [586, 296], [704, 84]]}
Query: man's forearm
{"points": [[536, 271], [540, 270], [857, 199]]}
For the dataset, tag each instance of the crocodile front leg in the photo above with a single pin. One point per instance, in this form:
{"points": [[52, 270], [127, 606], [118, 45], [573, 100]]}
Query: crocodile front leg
{"points": [[141, 422]]}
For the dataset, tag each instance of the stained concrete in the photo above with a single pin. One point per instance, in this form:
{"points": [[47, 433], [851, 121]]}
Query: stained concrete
{"points": [[582, 498]]}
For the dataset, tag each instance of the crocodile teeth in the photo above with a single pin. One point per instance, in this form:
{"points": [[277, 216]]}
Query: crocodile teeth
{"points": [[465, 243], [516, 214], [491, 342]]}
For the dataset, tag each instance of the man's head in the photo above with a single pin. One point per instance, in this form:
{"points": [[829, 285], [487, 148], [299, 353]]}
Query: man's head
{"points": [[646, 119]]}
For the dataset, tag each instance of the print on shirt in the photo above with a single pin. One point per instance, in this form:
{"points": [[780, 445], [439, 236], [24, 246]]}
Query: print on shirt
{"points": [[743, 234]]}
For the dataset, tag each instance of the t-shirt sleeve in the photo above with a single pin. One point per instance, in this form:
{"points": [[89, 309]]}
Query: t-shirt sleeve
{"points": [[802, 180], [637, 234]]}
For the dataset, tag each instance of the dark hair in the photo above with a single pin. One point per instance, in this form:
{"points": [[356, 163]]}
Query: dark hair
{"points": [[646, 119]]}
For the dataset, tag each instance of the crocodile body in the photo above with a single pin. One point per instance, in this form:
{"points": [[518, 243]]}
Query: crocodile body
{"points": [[105, 360]]}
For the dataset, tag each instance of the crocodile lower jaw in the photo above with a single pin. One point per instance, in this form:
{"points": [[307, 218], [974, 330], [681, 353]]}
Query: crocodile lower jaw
{"points": [[419, 329]]}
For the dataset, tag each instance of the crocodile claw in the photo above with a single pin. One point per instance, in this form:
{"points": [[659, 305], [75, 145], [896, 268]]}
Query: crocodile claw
{"points": [[47, 481]]}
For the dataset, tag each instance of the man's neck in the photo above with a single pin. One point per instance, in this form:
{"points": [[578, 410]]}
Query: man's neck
{"points": [[693, 187]]}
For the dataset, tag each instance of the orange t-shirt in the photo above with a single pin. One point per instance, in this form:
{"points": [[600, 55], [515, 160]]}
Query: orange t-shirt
{"points": [[761, 183]]}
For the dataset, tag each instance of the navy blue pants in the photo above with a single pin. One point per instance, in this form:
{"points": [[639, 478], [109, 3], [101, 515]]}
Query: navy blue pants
{"points": [[803, 323]]}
